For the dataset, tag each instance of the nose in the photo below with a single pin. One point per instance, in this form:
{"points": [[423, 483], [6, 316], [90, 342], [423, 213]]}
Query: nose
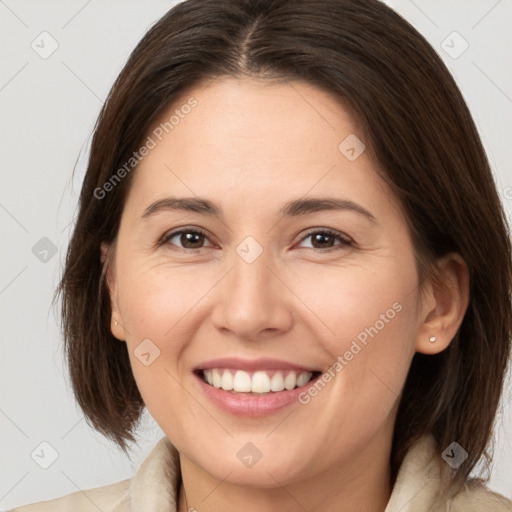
{"points": [[252, 302]]}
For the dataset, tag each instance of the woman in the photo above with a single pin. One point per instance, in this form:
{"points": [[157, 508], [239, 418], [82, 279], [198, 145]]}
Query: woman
{"points": [[282, 252]]}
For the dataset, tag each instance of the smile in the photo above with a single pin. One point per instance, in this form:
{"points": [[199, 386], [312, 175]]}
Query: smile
{"points": [[259, 381]]}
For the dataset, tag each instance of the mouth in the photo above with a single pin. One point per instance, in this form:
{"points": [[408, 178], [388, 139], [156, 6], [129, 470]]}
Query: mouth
{"points": [[258, 382]]}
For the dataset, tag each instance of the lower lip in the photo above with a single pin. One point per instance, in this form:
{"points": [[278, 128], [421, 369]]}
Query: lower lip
{"points": [[251, 405]]}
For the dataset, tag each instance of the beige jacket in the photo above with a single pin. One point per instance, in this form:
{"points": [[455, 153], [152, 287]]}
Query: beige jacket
{"points": [[151, 489]]}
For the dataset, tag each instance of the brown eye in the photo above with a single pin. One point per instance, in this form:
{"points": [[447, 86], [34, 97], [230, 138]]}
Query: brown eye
{"points": [[188, 238], [326, 238], [322, 240]]}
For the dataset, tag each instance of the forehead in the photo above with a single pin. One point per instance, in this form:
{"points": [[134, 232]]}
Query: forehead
{"points": [[248, 137], [245, 116]]}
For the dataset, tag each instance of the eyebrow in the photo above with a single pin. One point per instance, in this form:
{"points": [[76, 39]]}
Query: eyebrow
{"points": [[291, 209]]}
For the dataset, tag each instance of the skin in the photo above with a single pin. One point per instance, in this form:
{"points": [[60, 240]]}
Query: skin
{"points": [[250, 146]]}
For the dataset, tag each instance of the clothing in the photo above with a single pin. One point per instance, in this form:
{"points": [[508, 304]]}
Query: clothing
{"points": [[155, 486]]}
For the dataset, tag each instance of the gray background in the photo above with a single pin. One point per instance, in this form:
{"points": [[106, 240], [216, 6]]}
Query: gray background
{"points": [[48, 109]]}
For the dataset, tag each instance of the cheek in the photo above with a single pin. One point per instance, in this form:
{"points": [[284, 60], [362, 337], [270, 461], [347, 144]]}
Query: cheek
{"points": [[369, 316], [359, 302], [155, 304], [155, 299]]}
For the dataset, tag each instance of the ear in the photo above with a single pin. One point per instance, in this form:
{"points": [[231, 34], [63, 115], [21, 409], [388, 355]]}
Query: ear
{"points": [[107, 258], [444, 305]]}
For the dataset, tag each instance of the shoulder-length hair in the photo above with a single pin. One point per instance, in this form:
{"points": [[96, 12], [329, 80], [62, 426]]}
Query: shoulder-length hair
{"points": [[419, 132]]}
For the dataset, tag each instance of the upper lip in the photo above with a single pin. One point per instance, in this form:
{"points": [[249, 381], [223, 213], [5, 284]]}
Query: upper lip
{"points": [[252, 364]]}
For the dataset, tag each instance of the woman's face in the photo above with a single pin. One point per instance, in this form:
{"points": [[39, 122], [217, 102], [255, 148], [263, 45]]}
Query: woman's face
{"points": [[276, 281]]}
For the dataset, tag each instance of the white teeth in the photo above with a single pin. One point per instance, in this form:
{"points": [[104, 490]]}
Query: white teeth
{"points": [[260, 382], [277, 382], [216, 378], [303, 378], [242, 382], [290, 381], [227, 381]]}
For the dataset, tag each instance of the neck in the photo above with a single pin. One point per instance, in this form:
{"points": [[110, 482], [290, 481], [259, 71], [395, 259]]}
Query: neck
{"points": [[360, 484]]}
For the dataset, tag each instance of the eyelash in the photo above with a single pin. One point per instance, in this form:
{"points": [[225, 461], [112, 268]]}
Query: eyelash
{"points": [[345, 241]]}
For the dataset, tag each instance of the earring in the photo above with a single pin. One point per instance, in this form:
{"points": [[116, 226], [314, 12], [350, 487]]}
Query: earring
{"points": [[116, 323], [432, 339]]}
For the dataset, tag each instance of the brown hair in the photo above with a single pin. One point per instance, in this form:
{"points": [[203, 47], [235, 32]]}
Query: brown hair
{"points": [[417, 127]]}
